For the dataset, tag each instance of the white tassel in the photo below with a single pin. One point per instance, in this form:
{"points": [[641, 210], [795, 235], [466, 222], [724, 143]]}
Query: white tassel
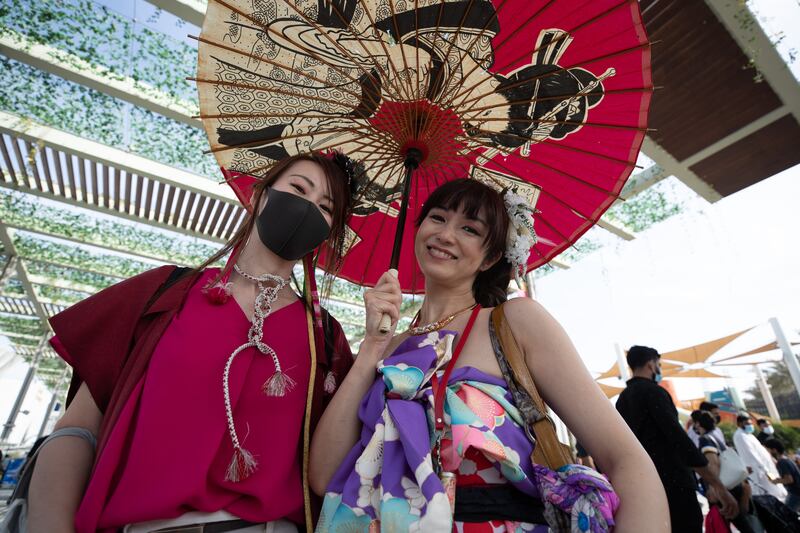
{"points": [[330, 383], [278, 385], [242, 465]]}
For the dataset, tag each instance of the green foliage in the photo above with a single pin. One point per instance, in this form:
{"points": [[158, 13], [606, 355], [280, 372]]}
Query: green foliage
{"points": [[580, 249], [44, 250], [13, 287], [70, 275], [22, 210], [779, 381], [60, 296], [728, 429], [788, 435], [544, 270], [53, 101], [28, 326], [23, 341], [649, 207], [102, 38]]}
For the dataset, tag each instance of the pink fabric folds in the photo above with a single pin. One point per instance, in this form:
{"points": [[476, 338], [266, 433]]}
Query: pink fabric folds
{"points": [[172, 435]]}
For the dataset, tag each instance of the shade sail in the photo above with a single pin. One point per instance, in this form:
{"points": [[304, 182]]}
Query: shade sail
{"points": [[700, 352]]}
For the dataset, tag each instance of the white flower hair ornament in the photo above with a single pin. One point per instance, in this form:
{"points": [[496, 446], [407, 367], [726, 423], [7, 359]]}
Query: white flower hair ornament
{"points": [[521, 235]]}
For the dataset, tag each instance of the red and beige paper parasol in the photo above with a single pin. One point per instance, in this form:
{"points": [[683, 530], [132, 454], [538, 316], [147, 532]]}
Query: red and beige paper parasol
{"points": [[549, 98]]}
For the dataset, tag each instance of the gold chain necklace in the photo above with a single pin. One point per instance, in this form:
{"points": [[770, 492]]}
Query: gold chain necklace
{"points": [[434, 326]]}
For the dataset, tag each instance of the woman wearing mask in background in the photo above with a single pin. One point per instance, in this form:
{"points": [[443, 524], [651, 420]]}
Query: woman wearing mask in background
{"points": [[202, 386], [413, 436]]}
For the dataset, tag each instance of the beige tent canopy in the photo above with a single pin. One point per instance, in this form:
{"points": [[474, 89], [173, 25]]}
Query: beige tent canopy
{"points": [[700, 352]]}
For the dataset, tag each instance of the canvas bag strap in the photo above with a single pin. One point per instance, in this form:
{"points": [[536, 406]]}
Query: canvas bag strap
{"points": [[549, 451]]}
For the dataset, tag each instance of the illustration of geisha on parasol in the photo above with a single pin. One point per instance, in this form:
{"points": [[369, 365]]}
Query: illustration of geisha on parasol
{"points": [[330, 69]]}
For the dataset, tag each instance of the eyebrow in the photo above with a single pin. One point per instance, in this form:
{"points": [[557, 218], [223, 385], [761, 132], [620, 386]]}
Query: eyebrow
{"points": [[311, 184]]}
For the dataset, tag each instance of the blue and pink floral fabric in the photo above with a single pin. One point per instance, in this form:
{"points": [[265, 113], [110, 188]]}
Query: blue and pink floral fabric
{"points": [[388, 480]]}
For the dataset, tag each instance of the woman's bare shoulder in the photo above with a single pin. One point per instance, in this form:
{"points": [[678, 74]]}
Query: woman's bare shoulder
{"points": [[525, 311]]}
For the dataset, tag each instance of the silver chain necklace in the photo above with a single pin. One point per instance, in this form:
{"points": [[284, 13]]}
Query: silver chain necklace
{"points": [[243, 463]]}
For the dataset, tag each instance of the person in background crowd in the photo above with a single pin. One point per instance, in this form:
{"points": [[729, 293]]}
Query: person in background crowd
{"points": [[714, 410], [711, 448], [765, 430], [690, 427], [757, 459], [790, 474], [650, 413]]}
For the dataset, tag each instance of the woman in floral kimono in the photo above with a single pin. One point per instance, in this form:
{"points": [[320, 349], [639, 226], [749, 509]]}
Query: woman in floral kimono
{"points": [[385, 454], [203, 386]]}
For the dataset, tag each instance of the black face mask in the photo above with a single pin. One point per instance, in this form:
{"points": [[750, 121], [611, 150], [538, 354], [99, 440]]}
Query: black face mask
{"points": [[291, 226]]}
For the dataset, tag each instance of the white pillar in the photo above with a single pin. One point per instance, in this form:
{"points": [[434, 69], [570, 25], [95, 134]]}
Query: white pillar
{"points": [[530, 286], [622, 363], [763, 386], [23, 391], [788, 356], [53, 400]]}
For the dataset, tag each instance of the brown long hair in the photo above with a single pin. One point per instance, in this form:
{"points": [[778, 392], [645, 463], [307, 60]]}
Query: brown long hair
{"points": [[473, 198], [342, 207]]}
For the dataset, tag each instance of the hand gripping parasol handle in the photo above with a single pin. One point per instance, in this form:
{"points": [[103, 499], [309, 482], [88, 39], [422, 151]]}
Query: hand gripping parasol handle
{"points": [[412, 161]]}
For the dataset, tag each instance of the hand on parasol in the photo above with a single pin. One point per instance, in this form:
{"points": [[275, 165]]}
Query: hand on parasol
{"points": [[548, 98]]}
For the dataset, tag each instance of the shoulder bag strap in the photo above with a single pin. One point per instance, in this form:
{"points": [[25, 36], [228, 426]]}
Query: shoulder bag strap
{"points": [[549, 451], [24, 481]]}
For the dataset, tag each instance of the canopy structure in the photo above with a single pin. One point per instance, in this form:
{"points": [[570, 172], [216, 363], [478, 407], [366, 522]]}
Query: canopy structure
{"points": [[690, 373], [609, 390], [700, 352], [770, 346]]}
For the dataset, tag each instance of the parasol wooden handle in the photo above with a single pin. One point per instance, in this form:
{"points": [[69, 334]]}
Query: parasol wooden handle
{"points": [[413, 157], [385, 324]]}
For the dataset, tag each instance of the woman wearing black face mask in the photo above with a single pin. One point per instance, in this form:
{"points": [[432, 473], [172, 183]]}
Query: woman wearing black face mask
{"points": [[203, 386]]}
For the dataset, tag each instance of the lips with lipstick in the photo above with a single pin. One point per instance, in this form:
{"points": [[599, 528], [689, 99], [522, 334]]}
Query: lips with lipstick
{"points": [[440, 253]]}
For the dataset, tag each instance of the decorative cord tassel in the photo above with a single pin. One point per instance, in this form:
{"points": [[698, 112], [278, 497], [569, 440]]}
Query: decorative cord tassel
{"points": [[219, 293], [242, 465], [330, 383], [278, 385]]}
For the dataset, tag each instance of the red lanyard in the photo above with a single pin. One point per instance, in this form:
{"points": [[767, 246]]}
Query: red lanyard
{"points": [[438, 386]]}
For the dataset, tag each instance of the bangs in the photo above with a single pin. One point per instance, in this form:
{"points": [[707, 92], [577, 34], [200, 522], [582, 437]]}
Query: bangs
{"points": [[464, 200], [474, 199]]}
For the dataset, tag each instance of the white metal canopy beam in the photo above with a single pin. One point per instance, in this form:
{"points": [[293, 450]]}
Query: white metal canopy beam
{"points": [[131, 254], [640, 181], [120, 159], [183, 202], [193, 11], [758, 47], [672, 166], [72, 68], [22, 275]]}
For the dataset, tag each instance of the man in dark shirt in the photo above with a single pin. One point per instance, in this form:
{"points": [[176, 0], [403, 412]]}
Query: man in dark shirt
{"points": [[790, 474], [650, 413]]}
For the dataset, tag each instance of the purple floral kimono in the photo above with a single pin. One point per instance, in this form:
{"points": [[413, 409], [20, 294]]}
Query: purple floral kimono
{"points": [[388, 481]]}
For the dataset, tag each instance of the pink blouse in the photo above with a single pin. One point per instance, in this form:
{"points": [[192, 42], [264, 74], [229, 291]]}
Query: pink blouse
{"points": [[178, 449]]}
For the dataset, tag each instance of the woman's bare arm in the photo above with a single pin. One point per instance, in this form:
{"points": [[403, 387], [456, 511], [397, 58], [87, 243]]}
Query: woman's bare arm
{"points": [[339, 428], [62, 470], [569, 389]]}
